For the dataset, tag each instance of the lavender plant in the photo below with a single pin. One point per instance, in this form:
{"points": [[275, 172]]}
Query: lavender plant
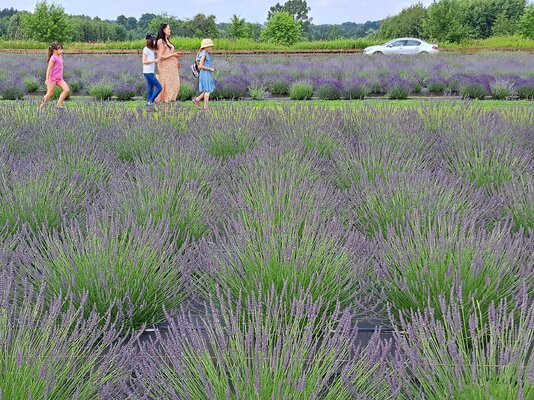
{"points": [[365, 162], [488, 161], [35, 192], [384, 205], [301, 90], [519, 204], [158, 194], [109, 263], [454, 258], [490, 360], [254, 352], [49, 348]]}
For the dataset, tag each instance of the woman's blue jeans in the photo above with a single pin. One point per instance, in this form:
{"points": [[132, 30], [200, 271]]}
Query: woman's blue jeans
{"points": [[154, 87]]}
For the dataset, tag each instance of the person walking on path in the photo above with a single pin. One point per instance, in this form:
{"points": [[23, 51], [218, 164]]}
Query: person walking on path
{"points": [[206, 84], [149, 69], [54, 76], [168, 67]]}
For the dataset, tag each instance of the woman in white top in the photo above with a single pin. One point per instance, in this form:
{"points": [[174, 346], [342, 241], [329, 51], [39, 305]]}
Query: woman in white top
{"points": [[149, 68]]}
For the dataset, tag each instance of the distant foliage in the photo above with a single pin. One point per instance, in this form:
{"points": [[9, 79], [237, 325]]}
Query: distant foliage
{"points": [[526, 22], [408, 23], [282, 29], [48, 23]]}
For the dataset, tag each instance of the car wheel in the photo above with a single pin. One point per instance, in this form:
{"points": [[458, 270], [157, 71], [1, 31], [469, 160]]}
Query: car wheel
{"points": [[423, 53], [378, 53]]}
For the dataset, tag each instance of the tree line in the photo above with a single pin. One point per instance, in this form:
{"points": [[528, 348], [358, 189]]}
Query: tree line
{"points": [[287, 23], [290, 21], [460, 20]]}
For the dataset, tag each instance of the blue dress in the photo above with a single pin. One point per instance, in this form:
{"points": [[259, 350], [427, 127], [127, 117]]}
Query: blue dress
{"points": [[205, 81]]}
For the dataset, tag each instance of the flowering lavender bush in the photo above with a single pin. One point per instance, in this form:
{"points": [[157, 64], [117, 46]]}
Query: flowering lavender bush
{"points": [[126, 214], [492, 358], [109, 264], [384, 205], [254, 352], [123, 91], [301, 91], [12, 89], [34, 191], [48, 350], [445, 73], [421, 268]]}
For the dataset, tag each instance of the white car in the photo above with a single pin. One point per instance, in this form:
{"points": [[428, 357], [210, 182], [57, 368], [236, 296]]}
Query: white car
{"points": [[403, 46]]}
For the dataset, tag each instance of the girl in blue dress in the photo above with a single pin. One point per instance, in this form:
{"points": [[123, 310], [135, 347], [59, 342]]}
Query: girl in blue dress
{"points": [[206, 85]]}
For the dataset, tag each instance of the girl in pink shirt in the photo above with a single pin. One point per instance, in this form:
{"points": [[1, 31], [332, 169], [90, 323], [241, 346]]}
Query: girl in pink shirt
{"points": [[54, 76]]}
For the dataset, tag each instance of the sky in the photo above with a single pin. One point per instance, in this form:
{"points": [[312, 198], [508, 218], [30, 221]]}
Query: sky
{"points": [[322, 11]]}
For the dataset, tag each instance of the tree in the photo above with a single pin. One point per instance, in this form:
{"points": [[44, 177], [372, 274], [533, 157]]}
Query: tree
{"points": [[446, 21], [526, 22], [48, 23], [130, 23], [239, 28], [481, 15], [175, 24], [282, 29], [7, 12], [297, 8], [408, 23], [144, 21], [503, 26], [201, 26]]}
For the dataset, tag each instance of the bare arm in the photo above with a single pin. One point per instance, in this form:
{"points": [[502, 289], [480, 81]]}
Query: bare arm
{"points": [[48, 69]]}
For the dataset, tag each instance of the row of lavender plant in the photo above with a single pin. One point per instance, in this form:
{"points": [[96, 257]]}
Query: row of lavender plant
{"points": [[291, 225], [499, 75]]}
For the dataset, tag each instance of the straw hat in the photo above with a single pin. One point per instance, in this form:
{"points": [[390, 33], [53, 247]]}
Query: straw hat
{"points": [[206, 43]]}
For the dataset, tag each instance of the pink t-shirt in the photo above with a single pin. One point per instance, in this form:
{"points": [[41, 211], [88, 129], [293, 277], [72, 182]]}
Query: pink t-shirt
{"points": [[56, 73]]}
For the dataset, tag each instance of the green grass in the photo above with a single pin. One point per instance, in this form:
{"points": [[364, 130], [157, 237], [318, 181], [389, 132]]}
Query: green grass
{"points": [[410, 103], [191, 44]]}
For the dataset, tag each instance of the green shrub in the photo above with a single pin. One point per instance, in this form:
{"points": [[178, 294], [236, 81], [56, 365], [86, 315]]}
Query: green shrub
{"points": [[301, 91], [57, 93], [473, 91], [186, 92], [488, 360], [113, 262], [101, 91], [225, 143], [266, 349], [501, 90], [49, 350], [75, 85], [124, 91], [397, 92], [12, 90], [257, 91], [32, 85], [425, 267], [279, 88], [526, 91], [436, 86], [357, 92], [328, 92]]}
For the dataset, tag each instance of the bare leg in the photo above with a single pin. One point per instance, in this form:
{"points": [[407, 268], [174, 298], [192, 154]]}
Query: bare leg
{"points": [[201, 96], [206, 100], [65, 92], [50, 86]]}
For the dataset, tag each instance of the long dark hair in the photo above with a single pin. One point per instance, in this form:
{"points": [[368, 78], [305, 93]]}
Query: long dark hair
{"points": [[53, 46], [161, 35], [151, 44]]}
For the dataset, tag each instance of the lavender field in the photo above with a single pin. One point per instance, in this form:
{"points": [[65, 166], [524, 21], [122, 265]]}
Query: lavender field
{"points": [[499, 75], [254, 244]]}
